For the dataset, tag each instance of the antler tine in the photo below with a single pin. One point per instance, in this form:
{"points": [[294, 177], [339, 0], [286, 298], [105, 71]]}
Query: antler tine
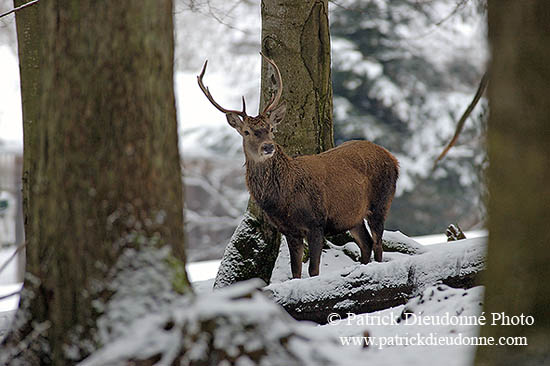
{"points": [[208, 95], [276, 97]]}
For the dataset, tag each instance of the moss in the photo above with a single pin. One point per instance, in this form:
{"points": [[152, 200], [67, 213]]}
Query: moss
{"points": [[180, 281]]}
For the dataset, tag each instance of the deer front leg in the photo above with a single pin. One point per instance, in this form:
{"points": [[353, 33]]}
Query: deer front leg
{"points": [[296, 249], [315, 240]]}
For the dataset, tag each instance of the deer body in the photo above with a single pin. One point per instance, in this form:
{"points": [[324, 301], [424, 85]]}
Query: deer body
{"points": [[325, 194], [308, 197]]}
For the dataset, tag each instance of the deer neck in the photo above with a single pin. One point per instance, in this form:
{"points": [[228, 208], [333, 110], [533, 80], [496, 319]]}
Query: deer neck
{"points": [[267, 180]]}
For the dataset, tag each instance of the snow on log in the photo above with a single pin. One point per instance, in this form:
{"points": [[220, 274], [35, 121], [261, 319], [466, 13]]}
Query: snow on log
{"points": [[357, 288], [392, 241]]}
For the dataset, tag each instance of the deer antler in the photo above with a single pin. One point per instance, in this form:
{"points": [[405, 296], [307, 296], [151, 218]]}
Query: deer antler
{"points": [[211, 99], [275, 98]]}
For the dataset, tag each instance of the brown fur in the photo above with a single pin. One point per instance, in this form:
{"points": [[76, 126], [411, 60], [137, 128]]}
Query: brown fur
{"points": [[315, 195]]}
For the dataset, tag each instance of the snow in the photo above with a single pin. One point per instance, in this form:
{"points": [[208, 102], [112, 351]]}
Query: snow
{"points": [[9, 274], [180, 332], [202, 271], [435, 302], [11, 127], [141, 283], [246, 324]]}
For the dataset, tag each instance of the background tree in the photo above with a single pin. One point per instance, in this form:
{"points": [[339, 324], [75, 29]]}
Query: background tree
{"points": [[519, 201], [295, 34], [403, 72], [103, 187]]}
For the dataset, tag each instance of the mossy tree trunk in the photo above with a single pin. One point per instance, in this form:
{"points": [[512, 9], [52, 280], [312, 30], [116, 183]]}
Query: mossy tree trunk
{"points": [[295, 34], [519, 204], [102, 165]]}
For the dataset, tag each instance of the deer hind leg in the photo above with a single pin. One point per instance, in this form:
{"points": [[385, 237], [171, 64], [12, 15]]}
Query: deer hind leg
{"points": [[376, 224], [296, 249], [363, 240], [377, 217], [315, 241]]}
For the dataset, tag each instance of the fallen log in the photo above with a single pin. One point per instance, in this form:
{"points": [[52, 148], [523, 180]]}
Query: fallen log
{"points": [[376, 286]]}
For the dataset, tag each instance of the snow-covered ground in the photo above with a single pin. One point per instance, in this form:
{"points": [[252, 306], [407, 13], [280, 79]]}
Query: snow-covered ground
{"points": [[439, 326]]}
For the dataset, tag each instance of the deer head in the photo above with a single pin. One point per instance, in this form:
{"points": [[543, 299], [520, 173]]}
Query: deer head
{"points": [[257, 132]]}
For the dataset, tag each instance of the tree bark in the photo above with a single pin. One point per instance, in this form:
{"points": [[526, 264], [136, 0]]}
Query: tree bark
{"points": [[519, 199], [378, 286], [295, 34], [29, 33], [102, 165]]}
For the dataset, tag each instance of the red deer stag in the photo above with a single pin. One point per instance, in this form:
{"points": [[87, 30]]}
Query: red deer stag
{"points": [[314, 195]]}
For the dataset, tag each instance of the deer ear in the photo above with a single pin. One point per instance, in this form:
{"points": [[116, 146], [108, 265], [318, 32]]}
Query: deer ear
{"points": [[234, 121], [278, 114]]}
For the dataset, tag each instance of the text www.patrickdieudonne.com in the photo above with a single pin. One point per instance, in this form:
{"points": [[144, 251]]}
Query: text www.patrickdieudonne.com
{"points": [[431, 339]]}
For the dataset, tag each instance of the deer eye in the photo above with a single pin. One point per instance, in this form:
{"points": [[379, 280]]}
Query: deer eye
{"points": [[246, 133]]}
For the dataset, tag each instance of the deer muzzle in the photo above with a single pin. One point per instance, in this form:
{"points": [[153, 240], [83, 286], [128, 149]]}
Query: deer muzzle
{"points": [[267, 149]]}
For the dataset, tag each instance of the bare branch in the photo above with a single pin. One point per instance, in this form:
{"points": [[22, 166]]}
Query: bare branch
{"points": [[30, 3], [465, 115], [3, 297], [5, 264]]}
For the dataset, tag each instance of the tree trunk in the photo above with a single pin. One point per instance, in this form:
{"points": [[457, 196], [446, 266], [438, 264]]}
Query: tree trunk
{"points": [[102, 167], [295, 34], [29, 33], [519, 202]]}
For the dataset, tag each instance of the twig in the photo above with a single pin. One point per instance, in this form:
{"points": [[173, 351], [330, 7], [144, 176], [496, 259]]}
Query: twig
{"points": [[434, 26], [5, 264], [465, 115], [19, 8], [10, 295]]}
